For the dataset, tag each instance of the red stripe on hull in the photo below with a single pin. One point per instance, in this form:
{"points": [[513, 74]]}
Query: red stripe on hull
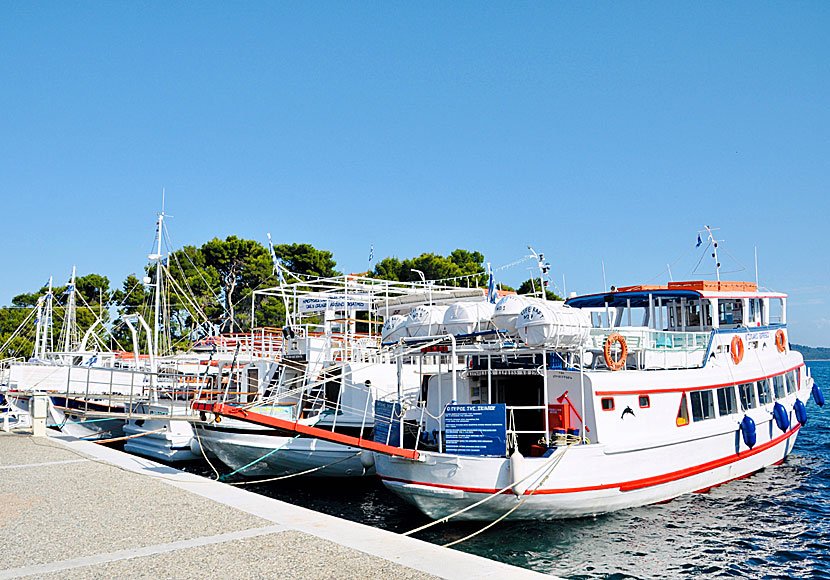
{"points": [[629, 485], [682, 390]]}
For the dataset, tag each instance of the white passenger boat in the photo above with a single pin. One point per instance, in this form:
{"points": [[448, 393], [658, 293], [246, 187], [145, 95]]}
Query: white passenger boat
{"points": [[604, 402], [333, 373]]}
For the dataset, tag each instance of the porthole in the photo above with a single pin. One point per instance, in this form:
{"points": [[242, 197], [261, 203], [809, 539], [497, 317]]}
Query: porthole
{"points": [[644, 402], [608, 404]]}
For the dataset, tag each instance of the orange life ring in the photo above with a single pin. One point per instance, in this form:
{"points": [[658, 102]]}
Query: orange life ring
{"points": [[737, 349], [612, 364], [780, 340]]}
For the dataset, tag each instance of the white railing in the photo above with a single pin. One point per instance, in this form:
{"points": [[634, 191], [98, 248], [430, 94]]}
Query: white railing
{"points": [[656, 349]]}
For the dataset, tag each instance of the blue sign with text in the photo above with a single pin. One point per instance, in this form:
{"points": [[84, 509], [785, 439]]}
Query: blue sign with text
{"points": [[387, 423], [475, 430]]}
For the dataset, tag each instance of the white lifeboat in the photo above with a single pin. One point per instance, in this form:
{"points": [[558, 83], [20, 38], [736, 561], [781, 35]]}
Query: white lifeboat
{"points": [[425, 320], [393, 328], [553, 324], [508, 309], [468, 317]]}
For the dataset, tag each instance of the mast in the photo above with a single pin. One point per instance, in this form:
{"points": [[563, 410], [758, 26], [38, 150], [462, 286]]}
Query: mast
{"points": [[157, 257], [47, 322], [714, 250], [69, 319]]}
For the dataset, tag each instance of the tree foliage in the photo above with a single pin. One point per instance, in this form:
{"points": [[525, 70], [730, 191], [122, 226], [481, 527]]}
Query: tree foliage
{"points": [[460, 268]]}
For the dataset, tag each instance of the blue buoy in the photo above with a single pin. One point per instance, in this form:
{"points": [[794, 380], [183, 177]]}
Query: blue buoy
{"points": [[782, 419], [818, 396], [800, 411], [748, 431]]}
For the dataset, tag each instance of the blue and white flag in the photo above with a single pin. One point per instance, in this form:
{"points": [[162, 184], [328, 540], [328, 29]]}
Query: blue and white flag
{"points": [[276, 260], [491, 286], [699, 241], [92, 361], [371, 253]]}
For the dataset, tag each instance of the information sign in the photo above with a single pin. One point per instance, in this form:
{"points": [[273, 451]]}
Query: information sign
{"points": [[475, 430], [387, 423]]}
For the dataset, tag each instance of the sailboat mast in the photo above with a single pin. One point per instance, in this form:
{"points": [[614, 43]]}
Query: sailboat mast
{"points": [[158, 280], [69, 319]]}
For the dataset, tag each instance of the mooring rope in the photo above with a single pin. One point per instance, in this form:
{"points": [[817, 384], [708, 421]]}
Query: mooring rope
{"points": [[131, 436], [553, 462]]}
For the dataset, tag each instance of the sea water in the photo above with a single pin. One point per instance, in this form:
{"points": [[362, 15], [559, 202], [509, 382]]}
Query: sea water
{"points": [[774, 524]]}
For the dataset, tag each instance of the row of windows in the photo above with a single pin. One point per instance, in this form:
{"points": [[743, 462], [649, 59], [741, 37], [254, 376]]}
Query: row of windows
{"points": [[751, 395]]}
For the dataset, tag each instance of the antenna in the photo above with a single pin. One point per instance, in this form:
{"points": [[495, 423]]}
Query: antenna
{"points": [[756, 266], [668, 267], [604, 284], [714, 243]]}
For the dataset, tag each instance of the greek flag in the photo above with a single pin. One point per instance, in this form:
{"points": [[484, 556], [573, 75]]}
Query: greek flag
{"points": [[371, 253], [92, 361], [699, 241], [491, 286], [276, 260]]}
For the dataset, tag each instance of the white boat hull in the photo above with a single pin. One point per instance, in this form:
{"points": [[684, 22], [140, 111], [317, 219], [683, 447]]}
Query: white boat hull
{"points": [[587, 480], [268, 455]]}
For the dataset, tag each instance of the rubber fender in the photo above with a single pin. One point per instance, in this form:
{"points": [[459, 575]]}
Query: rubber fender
{"points": [[748, 431], [517, 472], [782, 419], [818, 396], [367, 459], [800, 412]]}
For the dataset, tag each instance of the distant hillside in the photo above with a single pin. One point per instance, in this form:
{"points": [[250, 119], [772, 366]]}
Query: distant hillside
{"points": [[812, 352]]}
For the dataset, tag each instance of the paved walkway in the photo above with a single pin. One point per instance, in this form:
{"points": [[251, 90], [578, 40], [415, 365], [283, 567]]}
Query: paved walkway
{"points": [[75, 508]]}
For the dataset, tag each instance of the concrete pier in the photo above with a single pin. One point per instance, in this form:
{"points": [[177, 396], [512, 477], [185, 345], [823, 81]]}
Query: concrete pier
{"points": [[71, 508]]}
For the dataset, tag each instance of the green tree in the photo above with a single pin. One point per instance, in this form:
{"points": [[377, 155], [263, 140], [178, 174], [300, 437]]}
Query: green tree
{"points": [[240, 266], [460, 268]]}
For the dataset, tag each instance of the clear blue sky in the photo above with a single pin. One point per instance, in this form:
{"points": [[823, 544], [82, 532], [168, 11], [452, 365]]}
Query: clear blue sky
{"points": [[593, 131]]}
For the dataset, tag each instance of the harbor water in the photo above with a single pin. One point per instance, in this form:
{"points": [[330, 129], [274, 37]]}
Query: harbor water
{"points": [[774, 524]]}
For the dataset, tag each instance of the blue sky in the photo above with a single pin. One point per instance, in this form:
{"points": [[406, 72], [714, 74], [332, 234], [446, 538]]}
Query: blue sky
{"points": [[596, 132]]}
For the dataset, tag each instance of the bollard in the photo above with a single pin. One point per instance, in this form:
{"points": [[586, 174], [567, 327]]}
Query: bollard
{"points": [[39, 411]]}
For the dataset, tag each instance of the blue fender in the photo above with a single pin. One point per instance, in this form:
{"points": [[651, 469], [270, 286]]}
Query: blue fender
{"points": [[748, 431], [818, 396], [782, 419], [800, 411]]}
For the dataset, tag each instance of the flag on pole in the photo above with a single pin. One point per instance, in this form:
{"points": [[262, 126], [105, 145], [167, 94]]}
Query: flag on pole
{"points": [[371, 253], [699, 241], [276, 260], [491, 286]]}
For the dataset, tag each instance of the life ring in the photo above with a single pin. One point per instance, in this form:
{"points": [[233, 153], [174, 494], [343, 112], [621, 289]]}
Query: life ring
{"points": [[737, 349], [612, 364], [780, 340]]}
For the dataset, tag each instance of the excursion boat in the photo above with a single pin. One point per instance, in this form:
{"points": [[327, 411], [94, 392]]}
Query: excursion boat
{"points": [[333, 371], [602, 402]]}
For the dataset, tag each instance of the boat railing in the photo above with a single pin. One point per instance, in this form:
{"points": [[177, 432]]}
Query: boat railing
{"points": [[656, 349], [262, 342]]}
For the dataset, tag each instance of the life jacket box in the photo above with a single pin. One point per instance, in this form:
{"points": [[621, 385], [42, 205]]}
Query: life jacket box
{"points": [[559, 416]]}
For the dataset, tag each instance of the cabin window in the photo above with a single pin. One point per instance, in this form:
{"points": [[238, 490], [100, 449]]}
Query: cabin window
{"points": [[683, 412], [778, 386], [764, 392], [703, 405], [693, 314], [726, 401], [730, 312], [747, 394], [755, 311], [792, 382], [644, 402], [608, 404]]}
